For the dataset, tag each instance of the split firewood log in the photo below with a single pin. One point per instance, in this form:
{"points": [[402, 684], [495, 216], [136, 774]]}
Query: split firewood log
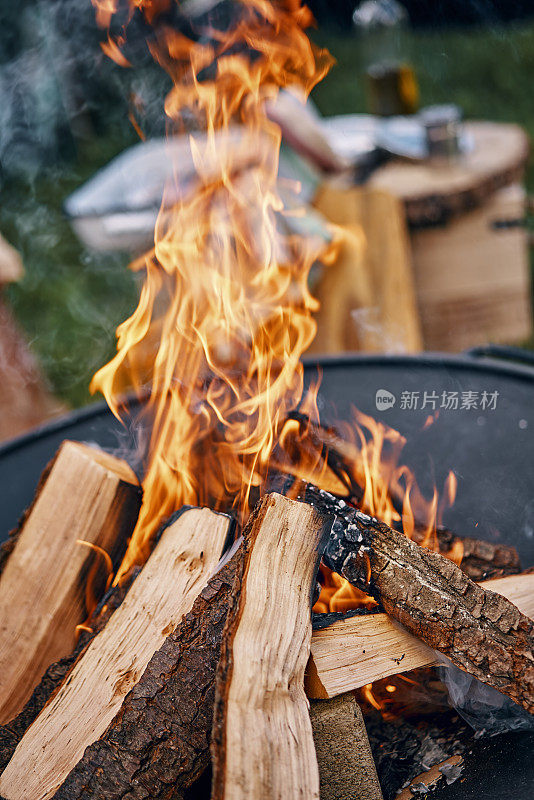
{"points": [[158, 744], [91, 698], [362, 648], [262, 743], [12, 732], [481, 560], [83, 514], [480, 631]]}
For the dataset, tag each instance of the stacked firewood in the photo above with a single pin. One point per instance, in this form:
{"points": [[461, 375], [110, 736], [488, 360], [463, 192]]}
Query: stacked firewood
{"points": [[208, 653]]}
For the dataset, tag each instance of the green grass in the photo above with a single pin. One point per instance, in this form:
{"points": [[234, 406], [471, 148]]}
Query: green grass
{"points": [[71, 300]]}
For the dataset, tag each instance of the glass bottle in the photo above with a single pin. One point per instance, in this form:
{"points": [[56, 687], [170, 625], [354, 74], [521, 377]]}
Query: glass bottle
{"points": [[391, 82]]}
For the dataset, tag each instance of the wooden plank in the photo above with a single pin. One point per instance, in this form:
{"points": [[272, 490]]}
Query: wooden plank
{"points": [[114, 661], [367, 296], [86, 495]]}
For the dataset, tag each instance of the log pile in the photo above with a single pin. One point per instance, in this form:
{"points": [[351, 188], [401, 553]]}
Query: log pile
{"points": [[209, 654], [480, 631]]}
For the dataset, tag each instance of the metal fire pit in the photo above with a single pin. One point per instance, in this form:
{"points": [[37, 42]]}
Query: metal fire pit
{"points": [[490, 449]]}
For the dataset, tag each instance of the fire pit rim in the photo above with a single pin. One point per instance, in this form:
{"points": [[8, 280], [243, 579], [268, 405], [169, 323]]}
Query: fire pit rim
{"points": [[475, 360]]}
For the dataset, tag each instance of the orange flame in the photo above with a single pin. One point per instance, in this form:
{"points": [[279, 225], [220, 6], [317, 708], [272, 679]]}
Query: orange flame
{"points": [[225, 312], [372, 454], [90, 594]]}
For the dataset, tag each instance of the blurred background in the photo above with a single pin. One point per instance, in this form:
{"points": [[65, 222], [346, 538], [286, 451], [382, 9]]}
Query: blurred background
{"points": [[433, 208]]}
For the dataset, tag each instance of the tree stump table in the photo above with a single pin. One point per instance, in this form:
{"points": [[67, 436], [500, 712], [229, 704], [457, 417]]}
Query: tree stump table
{"points": [[470, 252]]}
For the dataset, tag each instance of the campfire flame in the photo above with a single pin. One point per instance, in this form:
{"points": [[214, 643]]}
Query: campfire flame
{"points": [[214, 346], [225, 312]]}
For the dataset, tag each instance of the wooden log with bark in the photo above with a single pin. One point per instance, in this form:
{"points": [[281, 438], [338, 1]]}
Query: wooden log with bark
{"points": [[481, 560], [262, 742], [65, 546], [90, 700], [158, 745], [480, 631], [362, 648], [12, 732]]}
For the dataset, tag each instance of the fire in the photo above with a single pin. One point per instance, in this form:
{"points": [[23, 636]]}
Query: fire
{"points": [[214, 346], [225, 312], [337, 594], [90, 596]]}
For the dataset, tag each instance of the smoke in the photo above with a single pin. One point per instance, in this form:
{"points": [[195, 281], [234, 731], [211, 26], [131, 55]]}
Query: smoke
{"points": [[57, 87], [484, 708]]}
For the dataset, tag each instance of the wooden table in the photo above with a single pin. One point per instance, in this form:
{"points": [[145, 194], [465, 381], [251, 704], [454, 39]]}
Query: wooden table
{"points": [[433, 194], [471, 276]]}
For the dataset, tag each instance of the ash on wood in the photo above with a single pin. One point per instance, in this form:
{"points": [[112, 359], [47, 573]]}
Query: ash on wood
{"points": [[364, 648], [481, 632], [85, 495], [93, 692], [346, 766], [262, 742]]}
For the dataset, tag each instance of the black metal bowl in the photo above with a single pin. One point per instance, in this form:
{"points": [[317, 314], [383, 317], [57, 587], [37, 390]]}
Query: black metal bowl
{"points": [[490, 449]]}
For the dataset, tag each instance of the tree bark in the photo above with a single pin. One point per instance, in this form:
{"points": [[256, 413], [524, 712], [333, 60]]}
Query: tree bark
{"points": [[480, 560], [481, 632], [158, 744], [347, 769]]}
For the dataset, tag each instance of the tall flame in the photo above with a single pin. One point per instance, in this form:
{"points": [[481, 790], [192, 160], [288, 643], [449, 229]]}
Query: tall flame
{"points": [[224, 313]]}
